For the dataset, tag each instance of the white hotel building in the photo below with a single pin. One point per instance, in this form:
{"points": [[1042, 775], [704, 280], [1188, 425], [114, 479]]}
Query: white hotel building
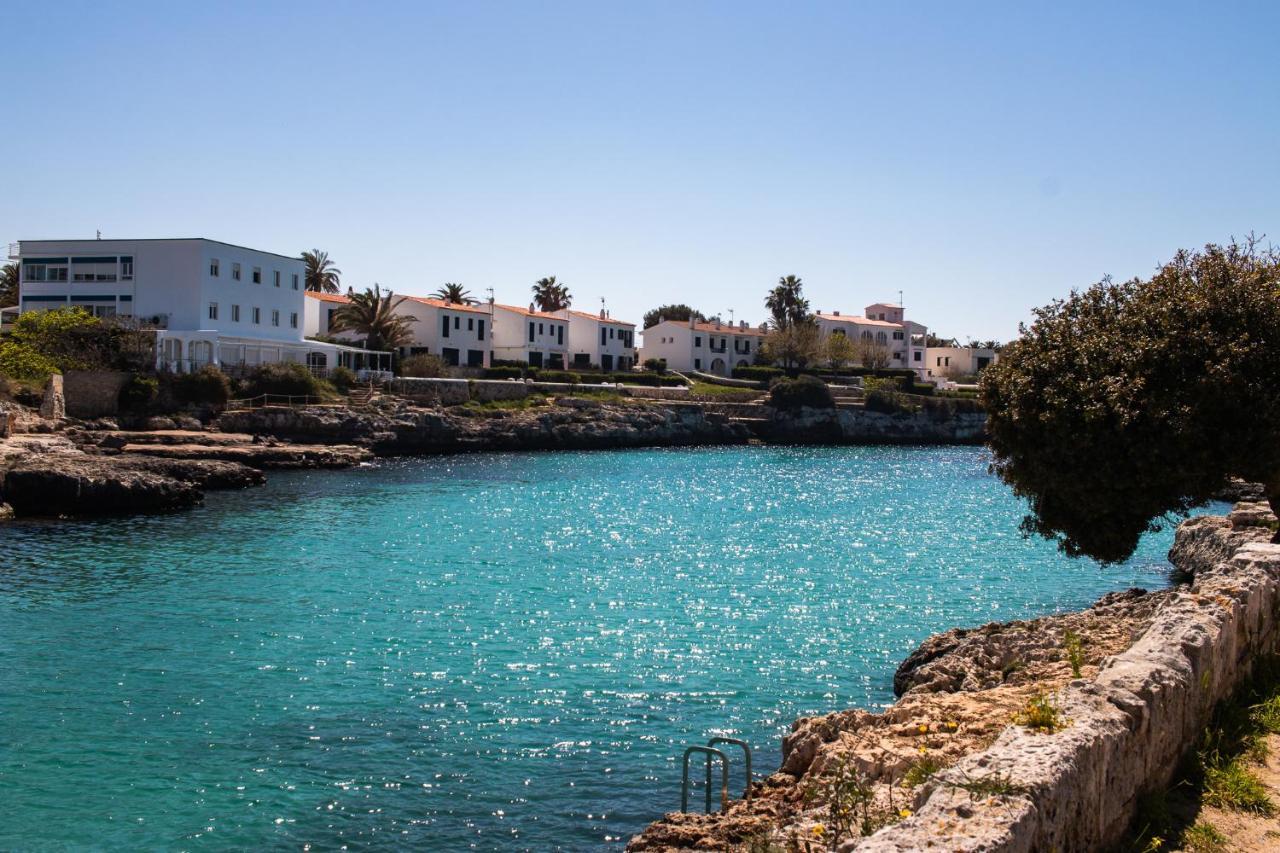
{"points": [[601, 341], [711, 347], [884, 325], [533, 337], [208, 303], [461, 335]]}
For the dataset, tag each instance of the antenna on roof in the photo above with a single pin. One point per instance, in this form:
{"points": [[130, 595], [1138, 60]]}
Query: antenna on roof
{"points": [[99, 233], [900, 303], [489, 290], [730, 316]]}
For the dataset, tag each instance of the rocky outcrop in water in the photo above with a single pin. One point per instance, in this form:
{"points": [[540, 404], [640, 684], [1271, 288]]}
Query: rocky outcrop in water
{"points": [[70, 483], [395, 428]]}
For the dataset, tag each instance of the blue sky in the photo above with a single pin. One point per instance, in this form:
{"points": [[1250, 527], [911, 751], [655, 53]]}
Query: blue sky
{"points": [[983, 158]]}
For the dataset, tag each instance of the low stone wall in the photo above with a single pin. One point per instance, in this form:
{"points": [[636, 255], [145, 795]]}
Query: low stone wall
{"points": [[855, 425], [93, 393], [443, 392], [1127, 729], [652, 392]]}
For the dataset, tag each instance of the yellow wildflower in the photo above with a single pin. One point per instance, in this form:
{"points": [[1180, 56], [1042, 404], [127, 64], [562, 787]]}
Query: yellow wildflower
{"points": [[923, 729], [904, 813], [818, 829]]}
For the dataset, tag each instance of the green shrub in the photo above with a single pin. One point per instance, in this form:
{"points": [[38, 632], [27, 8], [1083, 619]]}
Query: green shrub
{"points": [[506, 362], [206, 386], [23, 363], [343, 378], [887, 402], [287, 379], [139, 393], [803, 391], [563, 376], [423, 366], [922, 389], [657, 365], [652, 380], [503, 373], [758, 374]]}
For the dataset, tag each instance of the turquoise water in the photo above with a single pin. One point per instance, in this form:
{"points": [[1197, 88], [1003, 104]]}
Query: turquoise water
{"points": [[488, 651]]}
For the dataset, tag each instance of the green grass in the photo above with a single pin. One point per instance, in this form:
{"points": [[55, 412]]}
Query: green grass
{"points": [[1040, 714], [1233, 785], [1203, 837], [921, 771], [723, 393]]}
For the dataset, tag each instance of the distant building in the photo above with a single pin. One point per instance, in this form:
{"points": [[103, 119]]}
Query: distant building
{"points": [[600, 340], [883, 325], [532, 337], [710, 347], [955, 363], [208, 303]]}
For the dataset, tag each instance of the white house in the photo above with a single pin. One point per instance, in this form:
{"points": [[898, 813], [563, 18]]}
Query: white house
{"points": [[600, 340], [950, 363], [710, 347], [207, 302], [883, 325], [534, 337], [462, 335]]}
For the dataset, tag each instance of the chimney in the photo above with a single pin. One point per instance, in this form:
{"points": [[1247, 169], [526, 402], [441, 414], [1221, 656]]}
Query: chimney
{"points": [[835, 313], [530, 307], [717, 322], [742, 324], [692, 322], [603, 315]]}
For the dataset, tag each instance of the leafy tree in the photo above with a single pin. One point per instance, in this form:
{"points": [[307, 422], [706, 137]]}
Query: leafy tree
{"points": [[933, 340], [455, 294], [424, 366], [1127, 404], [796, 345], [550, 296], [786, 302], [373, 315], [322, 276], [672, 312], [74, 339], [8, 285], [801, 392], [872, 355], [839, 351]]}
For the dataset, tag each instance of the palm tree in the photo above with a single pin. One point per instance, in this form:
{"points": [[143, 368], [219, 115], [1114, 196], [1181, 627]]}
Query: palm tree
{"points": [[373, 314], [322, 275], [786, 303], [550, 296], [8, 285], [455, 294]]}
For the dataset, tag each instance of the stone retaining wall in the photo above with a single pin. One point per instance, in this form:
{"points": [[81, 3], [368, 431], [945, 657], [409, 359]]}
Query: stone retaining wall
{"points": [[1128, 728], [93, 393]]}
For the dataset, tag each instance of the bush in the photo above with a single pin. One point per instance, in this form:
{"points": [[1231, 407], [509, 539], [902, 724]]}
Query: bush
{"points": [[758, 374], [653, 380], [343, 378], [559, 376], [423, 366], [506, 362], [23, 363], [887, 402], [503, 373], [924, 390], [287, 379], [139, 393], [803, 391], [657, 365], [207, 386]]}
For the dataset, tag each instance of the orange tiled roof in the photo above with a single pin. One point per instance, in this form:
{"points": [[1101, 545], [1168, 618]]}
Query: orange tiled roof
{"points": [[451, 306], [588, 316], [527, 313], [861, 321], [327, 297]]}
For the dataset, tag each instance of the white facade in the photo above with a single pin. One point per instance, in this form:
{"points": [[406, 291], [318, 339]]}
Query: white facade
{"points": [[208, 302], [533, 337], [713, 347], [883, 325], [599, 340], [944, 363], [462, 335]]}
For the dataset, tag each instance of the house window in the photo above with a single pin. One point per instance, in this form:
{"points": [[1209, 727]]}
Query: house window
{"points": [[444, 327], [540, 331], [213, 310], [257, 316], [697, 364], [560, 335], [897, 336], [275, 317], [235, 272], [915, 356], [235, 313], [457, 322], [126, 268], [480, 330], [293, 320], [531, 330], [697, 341], [257, 275], [275, 277], [214, 267], [295, 281], [602, 336], [471, 324]]}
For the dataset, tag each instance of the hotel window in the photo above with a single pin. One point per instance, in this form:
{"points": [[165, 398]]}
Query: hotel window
{"points": [[257, 316], [697, 341], [214, 267], [235, 272], [480, 331], [257, 275], [126, 268], [235, 313], [275, 317], [93, 269], [471, 324], [213, 310], [897, 336], [560, 335], [293, 320], [444, 327], [295, 281], [602, 336], [915, 356], [540, 331], [531, 330], [275, 275], [457, 322]]}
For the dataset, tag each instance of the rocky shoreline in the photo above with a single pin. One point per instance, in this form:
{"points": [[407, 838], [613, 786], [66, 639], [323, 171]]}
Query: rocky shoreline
{"points": [[929, 762]]}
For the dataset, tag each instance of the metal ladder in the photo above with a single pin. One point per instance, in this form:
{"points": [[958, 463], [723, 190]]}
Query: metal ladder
{"points": [[712, 753]]}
